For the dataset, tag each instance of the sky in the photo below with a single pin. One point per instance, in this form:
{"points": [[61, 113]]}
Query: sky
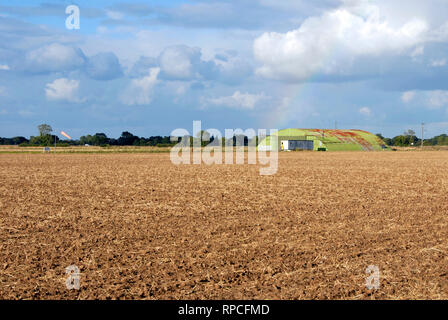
{"points": [[150, 67]]}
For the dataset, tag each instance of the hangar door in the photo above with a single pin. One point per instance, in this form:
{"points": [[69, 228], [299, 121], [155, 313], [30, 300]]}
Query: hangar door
{"points": [[300, 145]]}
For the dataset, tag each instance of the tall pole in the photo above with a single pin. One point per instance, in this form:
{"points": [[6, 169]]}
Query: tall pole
{"points": [[423, 133]]}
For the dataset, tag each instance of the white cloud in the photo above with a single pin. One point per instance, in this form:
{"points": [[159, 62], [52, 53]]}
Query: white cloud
{"points": [[330, 43], [54, 57], [433, 99], [441, 33], [115, 15], [4, 67], [365, 111], [177, 62], [104, 66], [437, 99], [187, 63], [237, 100], [407, 96], [438, 63], [140, 90], [63, 89], [420, 50], [181, 89], [232, 67]]}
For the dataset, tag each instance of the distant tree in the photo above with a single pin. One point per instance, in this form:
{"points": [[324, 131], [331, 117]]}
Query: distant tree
{"points": [[205, 135], [385, 140], [44, 129], [405, 140], [240, 140], [85, 139], [100, 139], [19, 140], [408, 138], [13, 141], [440, 140], [388, 141], [44, 138], [127, 139]]}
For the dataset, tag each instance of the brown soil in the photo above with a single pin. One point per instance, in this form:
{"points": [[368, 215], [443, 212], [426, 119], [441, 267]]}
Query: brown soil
{"points": [[139, 227]]}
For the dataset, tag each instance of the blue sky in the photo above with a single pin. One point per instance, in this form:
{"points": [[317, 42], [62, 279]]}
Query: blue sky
{"points": [[150, 67]]}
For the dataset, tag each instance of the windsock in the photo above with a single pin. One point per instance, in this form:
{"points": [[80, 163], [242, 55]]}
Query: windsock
{"points": [[66, 135]]}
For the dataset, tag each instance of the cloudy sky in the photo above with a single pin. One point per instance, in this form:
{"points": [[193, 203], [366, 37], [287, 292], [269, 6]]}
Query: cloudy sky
{"points": [[150, 67]]}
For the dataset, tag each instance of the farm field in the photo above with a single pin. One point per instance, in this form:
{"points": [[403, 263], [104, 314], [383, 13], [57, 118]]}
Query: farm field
{"points": [[139, 227]]}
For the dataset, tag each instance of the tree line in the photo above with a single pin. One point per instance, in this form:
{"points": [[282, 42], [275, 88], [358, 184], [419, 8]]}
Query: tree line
{"points": [[45, 138], [408, 138]]}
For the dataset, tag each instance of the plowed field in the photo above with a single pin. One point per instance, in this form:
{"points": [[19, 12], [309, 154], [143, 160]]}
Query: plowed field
{"points": [[139, 227]]}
